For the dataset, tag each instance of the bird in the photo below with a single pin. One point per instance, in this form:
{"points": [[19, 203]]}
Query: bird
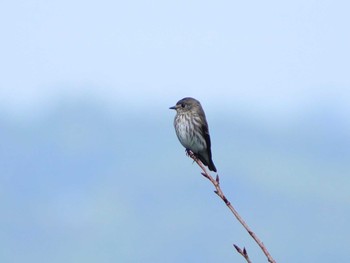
{"points": [[192, 130]]}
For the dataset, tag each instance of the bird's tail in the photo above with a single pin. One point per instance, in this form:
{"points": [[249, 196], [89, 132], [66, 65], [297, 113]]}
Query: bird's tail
{"points": [[211, 166], [207, 161]]}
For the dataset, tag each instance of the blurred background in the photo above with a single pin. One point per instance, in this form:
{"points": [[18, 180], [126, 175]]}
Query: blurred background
{"points": [[90, 166]]}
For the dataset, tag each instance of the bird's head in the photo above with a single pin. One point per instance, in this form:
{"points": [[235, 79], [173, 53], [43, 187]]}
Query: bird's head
{"points": [[186, 104]]}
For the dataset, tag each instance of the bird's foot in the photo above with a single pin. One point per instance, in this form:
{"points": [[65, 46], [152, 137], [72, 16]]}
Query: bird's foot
{"points": [[191, 154]]}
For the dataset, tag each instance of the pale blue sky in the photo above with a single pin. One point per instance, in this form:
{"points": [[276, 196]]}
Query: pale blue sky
{"points": [[91, 169], [288, 53]]}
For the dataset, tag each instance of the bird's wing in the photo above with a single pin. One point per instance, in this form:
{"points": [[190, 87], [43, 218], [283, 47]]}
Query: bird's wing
{"points": [[206, 135]]}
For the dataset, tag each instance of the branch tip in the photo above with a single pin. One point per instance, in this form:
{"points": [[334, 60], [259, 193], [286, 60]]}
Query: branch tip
{"points": [[205, 175], [236, 247]]}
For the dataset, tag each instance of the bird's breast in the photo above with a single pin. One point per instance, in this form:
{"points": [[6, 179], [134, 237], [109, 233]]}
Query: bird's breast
{"points": [[188, 135]]}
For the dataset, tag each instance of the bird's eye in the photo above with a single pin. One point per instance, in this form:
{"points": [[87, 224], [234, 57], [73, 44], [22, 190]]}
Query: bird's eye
{"points": [[183, 105]]}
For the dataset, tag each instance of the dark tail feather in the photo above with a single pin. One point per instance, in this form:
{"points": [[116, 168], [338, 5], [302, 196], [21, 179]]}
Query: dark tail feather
{"points": [[210, 165]]}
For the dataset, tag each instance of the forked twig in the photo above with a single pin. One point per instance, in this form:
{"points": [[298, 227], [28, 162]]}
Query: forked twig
{"points": [[219, 192], [243, 252]]}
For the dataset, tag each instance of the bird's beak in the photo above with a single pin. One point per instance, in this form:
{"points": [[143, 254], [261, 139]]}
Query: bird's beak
{"points": [[173, 108]]}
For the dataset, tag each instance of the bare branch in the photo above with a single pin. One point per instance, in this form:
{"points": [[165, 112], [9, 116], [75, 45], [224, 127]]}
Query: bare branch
{"points": [[219, 192], [243, 252]]}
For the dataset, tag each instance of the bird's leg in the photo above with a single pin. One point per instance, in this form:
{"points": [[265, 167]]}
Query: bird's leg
{"points": [[191, 154]]}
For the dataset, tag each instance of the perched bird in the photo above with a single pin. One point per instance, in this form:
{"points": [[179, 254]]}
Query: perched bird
{"points": [[192, 130]]}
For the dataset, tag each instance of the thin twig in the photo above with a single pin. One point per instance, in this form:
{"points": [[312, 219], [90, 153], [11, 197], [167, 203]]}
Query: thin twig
{"points": [[219, 192], [243, 252]]}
